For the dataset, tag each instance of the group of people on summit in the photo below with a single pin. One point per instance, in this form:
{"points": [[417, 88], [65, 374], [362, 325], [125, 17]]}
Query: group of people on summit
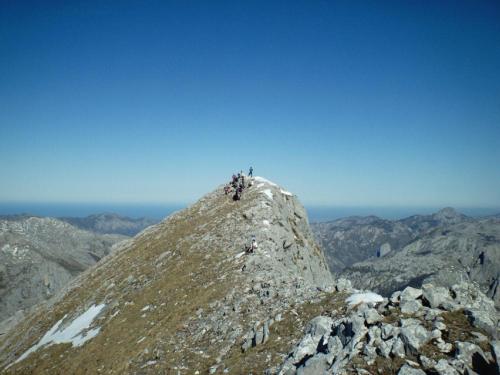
{"points": [[236, 187], [237, 184]]}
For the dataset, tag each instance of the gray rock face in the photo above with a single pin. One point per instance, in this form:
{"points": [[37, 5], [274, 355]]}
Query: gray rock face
{"points": [[467, 250], [39, 256]]}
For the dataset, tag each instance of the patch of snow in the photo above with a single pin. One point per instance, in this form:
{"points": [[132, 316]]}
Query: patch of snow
{"points": [[266, 222], [74, 333], [286, 192], [368, 297], [146, 308], [268, 193], [264, 180], [260, 185], [148, 363]]}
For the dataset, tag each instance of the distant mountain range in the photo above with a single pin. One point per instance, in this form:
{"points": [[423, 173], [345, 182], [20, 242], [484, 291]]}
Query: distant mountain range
{"points": [[355, 239], [40, 255], [107, 223], [386, 255]]}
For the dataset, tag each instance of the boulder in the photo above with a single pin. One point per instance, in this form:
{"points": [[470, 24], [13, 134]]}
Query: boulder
{"points": [[426, 362], [436, 296], [444, 368], [343, 285], [410, 306], [398, 348], [414, 336], [315, 365], [465, 351], [443, 346], [384, 347], [482, 319], [439, 325], [320, 326], [388, 331], [409, 294], [307, 347], [372, 316], [395, 297], [408, 370]]}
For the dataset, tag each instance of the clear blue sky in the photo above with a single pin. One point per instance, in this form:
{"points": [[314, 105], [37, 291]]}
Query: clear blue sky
{"points": [[344, 103]]}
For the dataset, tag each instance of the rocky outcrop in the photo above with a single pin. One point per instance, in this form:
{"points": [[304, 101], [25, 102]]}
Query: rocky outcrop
{"points": [[438, 337], [38, 257]]}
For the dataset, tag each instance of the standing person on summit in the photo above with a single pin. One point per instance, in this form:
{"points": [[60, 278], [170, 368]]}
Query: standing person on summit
{"points": [[250, 172]]}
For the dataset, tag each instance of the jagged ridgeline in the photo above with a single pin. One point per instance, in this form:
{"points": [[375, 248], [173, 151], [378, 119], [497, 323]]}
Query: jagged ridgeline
{"points": [[183, 296]]}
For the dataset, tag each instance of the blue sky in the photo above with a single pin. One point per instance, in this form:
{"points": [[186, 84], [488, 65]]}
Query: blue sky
{"points": [[360, 103]]}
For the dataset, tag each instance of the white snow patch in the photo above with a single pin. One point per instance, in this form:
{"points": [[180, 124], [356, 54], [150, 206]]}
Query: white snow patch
{"points": [[286, 192], [268, 193], [266, 222], [265, 181], [148, 363], [74, 333], [368, 297], [146, 308]]}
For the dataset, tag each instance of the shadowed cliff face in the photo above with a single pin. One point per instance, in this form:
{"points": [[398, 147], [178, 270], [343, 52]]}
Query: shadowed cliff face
{"points": [[182, 294]]}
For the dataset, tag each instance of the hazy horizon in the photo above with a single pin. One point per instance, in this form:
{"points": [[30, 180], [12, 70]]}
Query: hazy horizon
{"points": [[162, 210]]}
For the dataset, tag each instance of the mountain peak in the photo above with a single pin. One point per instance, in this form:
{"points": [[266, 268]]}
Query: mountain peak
{"points": [[448, 212], [449, 215], [182, 287]]}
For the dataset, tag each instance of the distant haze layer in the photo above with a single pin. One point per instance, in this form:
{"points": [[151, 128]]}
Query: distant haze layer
{"points": [[159, 211]]}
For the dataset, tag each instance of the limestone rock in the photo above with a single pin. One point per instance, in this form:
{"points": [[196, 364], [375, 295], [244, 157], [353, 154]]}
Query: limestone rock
{"points": [[408, 370], [444, 368], [414, 336]]}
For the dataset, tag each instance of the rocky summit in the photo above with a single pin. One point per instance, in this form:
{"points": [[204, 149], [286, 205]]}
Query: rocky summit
{"points": [[237, 285], [183, 295]]}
